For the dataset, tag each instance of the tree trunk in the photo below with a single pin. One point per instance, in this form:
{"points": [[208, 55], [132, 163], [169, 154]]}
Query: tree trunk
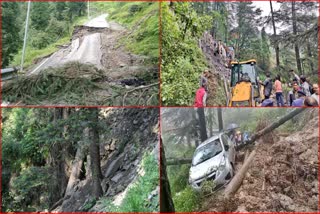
{"points": [[236, 181], [220, 121], [310, 56], [94, 151], [294, 28], [179, 161], [76, 169], [276, 124], [202, 124], [166, 203], [275, 36], [57, 163]]}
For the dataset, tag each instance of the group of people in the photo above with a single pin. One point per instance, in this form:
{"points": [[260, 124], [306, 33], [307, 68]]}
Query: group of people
{"points": [[301, 94]]}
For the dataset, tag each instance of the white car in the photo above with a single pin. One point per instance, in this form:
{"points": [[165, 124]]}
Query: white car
{"points": [[214, 159]]}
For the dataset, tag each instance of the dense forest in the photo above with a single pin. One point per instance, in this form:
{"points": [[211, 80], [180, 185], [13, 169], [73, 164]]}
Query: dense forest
{"points": [[267, 185], [71, 159], [76, 49], [283, 39]]}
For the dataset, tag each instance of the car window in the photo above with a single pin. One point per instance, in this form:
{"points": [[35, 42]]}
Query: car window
{"points": [[206, 152], [224, 139]]}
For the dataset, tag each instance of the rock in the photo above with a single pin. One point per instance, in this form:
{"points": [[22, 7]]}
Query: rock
{"points": [[286, 202], [135, 122], [114, 166], [126, 166], [117, 177]]}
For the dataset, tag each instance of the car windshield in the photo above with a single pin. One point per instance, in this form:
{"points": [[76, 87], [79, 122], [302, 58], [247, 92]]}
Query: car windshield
{"points": [[206, 152]]}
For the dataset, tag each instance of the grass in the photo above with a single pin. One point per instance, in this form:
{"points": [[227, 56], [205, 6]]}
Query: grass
{"points": [[143, 24], [136, 199]]}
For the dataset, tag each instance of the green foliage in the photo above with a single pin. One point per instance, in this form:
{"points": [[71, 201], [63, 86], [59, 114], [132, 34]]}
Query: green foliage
{"points": [[142, 19], [178, 177], [46, 31], [10, 31], [182, 60], [30, 184], [207, 187], [187, 200], [40, 15], [136, 199]]}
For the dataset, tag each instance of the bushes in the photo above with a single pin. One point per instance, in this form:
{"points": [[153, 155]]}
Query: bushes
{"points": [[182, 60], [186, 200], [30, 187]]}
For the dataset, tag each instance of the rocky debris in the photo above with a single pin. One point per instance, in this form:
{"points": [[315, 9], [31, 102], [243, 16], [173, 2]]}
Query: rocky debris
{"points": [[284, 175], [218, 69], [113, 166], [133, 132]]}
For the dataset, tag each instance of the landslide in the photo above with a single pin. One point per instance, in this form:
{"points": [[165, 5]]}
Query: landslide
{"points": [[114, 76], [218, 71], [283, 176], [133, 135]]}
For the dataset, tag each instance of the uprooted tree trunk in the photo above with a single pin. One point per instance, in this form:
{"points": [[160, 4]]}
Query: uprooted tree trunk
{"points": [[276, 124], [178, 161], [235, 183]]}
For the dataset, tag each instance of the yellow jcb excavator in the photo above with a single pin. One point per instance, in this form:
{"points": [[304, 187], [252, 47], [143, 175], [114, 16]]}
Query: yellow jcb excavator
{"points": [[245, 89]]}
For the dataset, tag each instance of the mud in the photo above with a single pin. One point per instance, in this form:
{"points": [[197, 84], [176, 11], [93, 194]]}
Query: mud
{"points": [[282, 177]]}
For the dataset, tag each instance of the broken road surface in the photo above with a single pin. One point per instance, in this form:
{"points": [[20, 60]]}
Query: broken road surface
{"points": [[85, 50]]}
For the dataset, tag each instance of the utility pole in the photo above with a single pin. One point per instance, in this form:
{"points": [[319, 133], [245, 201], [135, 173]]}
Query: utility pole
{"points": [[25, 36], [88, 8]]}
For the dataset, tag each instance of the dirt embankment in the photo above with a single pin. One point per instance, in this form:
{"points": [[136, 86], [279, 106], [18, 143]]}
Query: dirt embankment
{"points": [[283, 175], [219, 73]]}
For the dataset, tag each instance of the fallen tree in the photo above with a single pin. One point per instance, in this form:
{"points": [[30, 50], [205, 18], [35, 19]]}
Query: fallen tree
{"points": [[178, 161], [235, 183]]}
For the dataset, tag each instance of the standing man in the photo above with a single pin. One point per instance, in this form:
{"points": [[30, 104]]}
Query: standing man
{"points": [[293, 93], [201, 97], [267, 86]]}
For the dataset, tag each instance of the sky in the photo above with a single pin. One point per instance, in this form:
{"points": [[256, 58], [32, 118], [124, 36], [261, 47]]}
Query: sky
{"points": [[265, 6]]}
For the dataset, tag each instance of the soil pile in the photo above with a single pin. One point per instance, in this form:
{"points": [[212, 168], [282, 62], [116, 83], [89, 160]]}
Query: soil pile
{"points": [[283, 175]]}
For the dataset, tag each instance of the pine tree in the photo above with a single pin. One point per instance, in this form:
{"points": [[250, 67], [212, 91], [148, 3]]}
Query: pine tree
{"points": [[10, 31]]}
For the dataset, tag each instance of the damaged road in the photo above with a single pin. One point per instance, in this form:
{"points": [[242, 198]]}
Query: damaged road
{"points": [[124, 78]]}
